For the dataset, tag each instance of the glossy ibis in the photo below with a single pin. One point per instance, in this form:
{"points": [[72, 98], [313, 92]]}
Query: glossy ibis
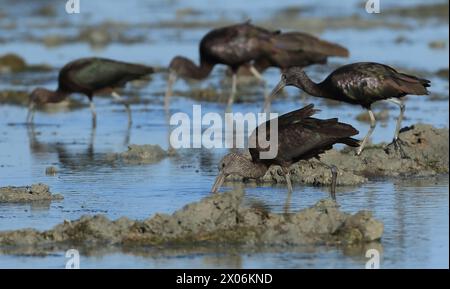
{"points": [[360, 83], [89, 76], [233, 46], [300, 137], [297, 49]]}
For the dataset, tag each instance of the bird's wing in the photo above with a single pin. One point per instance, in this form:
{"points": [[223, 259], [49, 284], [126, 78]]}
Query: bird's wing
{"points": [[100, 73], [300, 136], [311, 137], [296, 115], [368, 82]]}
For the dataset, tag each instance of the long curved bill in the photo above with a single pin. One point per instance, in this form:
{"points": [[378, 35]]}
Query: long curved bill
{"points": [[273, 94], [170, 82], [218, 182], [30, 114]]}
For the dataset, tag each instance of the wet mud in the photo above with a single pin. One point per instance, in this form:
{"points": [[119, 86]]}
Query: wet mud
{"points": [[26, 194], [216, 219]]}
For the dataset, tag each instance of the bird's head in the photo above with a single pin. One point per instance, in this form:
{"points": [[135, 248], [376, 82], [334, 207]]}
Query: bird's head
{"points": [[292, 76], [181, 66], [40, 95], [232, 164]]}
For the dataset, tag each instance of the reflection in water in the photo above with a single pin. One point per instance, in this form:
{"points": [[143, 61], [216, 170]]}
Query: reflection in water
{"points": [[203, 256], [78, 161]]}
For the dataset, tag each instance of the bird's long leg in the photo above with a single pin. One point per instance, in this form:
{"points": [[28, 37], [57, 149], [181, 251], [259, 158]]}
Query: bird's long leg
{"points": [[287, 176], [401, 104], [30, 115], [397, 141], [334, 171], [373, 123], [333, 182], [94, 114], [233, 91], [261, 78], [92, 139], [120, 99], [170, 82]]}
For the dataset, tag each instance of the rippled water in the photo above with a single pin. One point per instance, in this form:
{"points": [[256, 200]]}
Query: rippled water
{"points": [[415, 211]]}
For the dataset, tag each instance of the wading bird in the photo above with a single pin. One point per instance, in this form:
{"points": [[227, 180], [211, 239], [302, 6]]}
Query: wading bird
{"points": [[233, 46], [296, 49], [300, 137], [89, 76], [360, 83]]}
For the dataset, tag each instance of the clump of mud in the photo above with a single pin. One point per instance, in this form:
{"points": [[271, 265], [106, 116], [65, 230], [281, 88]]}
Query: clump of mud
{"points": [[14, 97], [36, 192], [426, 148], [218, 218], [11, 63], [142, 154], [51, 171], [437, 10], [442, 73]]}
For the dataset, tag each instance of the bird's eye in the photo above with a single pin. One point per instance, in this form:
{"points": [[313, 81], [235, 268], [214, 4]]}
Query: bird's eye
{"points": [[283, 77]]}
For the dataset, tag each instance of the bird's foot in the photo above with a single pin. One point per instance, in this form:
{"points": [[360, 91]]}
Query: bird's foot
{"points": [[398, 146]]}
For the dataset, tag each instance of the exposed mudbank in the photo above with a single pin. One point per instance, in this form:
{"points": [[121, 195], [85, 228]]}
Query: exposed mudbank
{"points": [[14, 97], [36, 192], [426, 147], [97, 36], [14, 63], [437, 10], [216, 219]]}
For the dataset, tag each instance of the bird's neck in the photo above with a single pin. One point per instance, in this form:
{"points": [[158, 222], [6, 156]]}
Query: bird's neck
{"points": [[55, 96], [306, 84], [205, 69], [199, 71]]}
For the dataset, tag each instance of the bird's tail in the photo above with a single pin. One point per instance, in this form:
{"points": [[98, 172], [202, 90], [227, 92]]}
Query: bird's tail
{"points": [[331, 49], [350, 142], [411, 84], [140, 69]]}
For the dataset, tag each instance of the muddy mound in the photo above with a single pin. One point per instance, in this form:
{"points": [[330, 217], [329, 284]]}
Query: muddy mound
{"points": [[142, 154], [36, 192], [426, 148], [218, 218], [11, 63]]}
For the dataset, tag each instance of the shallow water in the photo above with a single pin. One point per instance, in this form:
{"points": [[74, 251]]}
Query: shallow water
{"points": [[415, 212]]}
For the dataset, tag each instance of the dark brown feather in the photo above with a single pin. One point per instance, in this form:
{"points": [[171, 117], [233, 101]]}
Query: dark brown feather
{"points": [[302, 137]]}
